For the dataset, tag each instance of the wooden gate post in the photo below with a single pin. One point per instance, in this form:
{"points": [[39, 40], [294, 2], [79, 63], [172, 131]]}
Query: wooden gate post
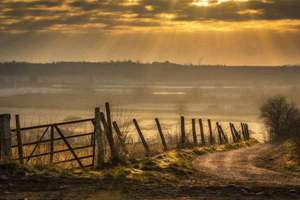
{"points": [[51, 145], [146, 147], [183, 137], [99, 140], [201, 132], [162, 137], [194, 131], [19, 139], [211, 137], [5, 138]]}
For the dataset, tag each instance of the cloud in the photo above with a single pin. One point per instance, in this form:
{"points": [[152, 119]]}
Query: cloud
{"points": [[107, 15]]}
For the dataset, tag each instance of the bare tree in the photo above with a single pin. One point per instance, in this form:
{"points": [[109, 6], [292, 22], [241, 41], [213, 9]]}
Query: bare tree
{"points": [[281, 117]]}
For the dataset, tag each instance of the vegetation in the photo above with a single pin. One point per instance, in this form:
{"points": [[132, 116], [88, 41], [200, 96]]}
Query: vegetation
{"points": [[282, 118], [166, 167]]}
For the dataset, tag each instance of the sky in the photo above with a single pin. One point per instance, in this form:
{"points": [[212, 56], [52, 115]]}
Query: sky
{"points": [[227, 32]]}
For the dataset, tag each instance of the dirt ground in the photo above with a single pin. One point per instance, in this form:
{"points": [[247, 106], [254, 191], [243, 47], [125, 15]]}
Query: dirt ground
{"points": [[228, 175]]}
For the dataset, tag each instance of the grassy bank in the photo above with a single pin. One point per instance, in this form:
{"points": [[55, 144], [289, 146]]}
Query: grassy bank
{"points": [[166, 166], [288, 156]]}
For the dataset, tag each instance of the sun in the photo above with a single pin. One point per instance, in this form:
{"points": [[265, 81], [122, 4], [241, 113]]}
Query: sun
{"points": [[201, 3], [210, 2]]}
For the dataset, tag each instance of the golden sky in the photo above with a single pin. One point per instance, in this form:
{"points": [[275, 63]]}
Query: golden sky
{"points": [[232, 32]]}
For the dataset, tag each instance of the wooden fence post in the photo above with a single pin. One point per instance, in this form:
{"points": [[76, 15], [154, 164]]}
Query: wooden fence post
{"points": [[211, 137], [121, 139], [99, 139], [238, 136], [247, 131], [108, 118], [194, 131], [233, 133], [19, 139], [201, 132], [243, 131], [5, 138], [219, 133], [146, 147], [51, 144], [183, 136], [162, 137], [225, 139], [110, 139]]}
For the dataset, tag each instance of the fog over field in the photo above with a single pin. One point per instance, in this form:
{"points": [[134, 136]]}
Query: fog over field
{"points": [[43, 93]]}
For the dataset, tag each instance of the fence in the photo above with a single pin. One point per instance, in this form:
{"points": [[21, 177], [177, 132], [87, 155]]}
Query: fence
{"points": [[56, 144]]}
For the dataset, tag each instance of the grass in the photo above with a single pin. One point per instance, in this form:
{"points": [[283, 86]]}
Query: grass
{"points": [[289, 156], [168, 167]]}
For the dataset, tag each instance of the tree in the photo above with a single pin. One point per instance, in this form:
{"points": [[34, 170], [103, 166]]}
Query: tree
{"points": [[281, 117]]}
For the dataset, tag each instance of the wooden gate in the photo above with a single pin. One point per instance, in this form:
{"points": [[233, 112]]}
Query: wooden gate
{"points": [[54, 143]]}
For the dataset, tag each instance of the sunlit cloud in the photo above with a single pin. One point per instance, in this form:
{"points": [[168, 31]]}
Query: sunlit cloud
{"points": [[106, 15]]}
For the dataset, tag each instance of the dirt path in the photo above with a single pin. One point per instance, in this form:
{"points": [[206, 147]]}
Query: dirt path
{"points": [[241, 165]]}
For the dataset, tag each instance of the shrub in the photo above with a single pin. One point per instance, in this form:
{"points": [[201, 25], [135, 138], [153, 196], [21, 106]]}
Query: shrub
{"points": [[281, 117]]}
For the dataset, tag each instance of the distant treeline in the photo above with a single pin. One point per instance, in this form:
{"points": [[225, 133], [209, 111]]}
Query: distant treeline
{"points": [[162, 72]]}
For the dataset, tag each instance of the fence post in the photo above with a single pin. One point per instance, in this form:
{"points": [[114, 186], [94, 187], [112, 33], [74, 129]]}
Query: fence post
{"points": [[163, 141], [183, 137], [146, 147], [201, 132], [243, 131], [51, 144], [110, 139], [247, 131], [5, 138], [19, 139], [219, 133], [238, 136], [225, 139], [233, 133], [211, 137], [121, 139], [108, 118], [194, 131], [99, 139]]}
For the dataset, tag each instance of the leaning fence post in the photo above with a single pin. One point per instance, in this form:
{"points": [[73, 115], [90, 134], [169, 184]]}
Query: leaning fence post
{"points": [[163, 141], [233, 133], [201, 132], [183, 137], [110, 139], [194, 131], [219, 133], [225, 139], [146, 147], [211, 137], [238, 136], [99, 139], [5, 138], [121, 139], [19, 139]]}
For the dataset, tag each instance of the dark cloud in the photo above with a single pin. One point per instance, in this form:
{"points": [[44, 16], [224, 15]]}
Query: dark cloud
{"points": [[44, 14]]}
